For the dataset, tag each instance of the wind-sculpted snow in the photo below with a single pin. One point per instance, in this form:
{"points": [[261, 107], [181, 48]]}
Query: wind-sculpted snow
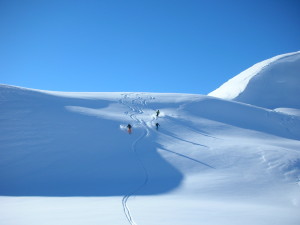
{"points": [[246, 116], [273, 83], [211, 161]]}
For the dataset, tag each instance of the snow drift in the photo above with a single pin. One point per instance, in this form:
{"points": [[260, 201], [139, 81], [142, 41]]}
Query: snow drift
{"points": [[272, 83]]}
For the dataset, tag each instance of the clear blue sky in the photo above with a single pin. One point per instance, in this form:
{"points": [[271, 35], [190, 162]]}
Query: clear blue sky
{"points": [[181, 46]]}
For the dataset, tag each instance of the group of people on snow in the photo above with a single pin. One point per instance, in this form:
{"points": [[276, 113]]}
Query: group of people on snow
{"points": [[129, 126]]}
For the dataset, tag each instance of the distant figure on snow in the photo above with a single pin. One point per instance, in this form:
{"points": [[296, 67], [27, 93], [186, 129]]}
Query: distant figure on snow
{"points": [[157, 125], [129, 128], [157, 113]]}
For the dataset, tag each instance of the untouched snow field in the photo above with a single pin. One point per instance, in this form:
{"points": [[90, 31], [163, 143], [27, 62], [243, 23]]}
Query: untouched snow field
{"points": [[67, 159]]}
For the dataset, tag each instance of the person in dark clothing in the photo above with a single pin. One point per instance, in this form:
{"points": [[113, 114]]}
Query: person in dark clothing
{"points": [[157, 113], [157, 125]]}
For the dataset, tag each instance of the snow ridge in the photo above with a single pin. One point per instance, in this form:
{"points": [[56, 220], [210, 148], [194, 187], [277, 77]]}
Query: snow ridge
{"points": [[268, 83]]}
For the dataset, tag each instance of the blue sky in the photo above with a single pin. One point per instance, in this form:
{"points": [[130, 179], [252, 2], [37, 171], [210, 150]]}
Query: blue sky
{"points": [[180, 46]]}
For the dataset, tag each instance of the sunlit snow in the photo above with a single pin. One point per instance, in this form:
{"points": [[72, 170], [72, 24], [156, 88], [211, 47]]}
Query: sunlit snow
{"points": [[67, 158]]}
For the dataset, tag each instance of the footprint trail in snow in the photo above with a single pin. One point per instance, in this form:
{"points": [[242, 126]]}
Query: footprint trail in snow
{"points": [[135, 104]]}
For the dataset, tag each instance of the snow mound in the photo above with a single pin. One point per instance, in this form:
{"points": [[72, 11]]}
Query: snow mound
{"points": [[272, 83]]}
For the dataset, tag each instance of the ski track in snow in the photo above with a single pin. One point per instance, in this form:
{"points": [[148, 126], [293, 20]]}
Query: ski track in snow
{"points": [[135, 106]]}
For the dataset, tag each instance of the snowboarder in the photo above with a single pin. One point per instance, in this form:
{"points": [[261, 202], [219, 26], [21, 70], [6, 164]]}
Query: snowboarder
{"points": [[129, 128], [157, 125], [157, 113]]}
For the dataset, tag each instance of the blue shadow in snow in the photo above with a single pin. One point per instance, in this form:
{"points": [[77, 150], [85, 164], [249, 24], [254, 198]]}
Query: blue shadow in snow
{"points": [[189, 158], [47, 150]]}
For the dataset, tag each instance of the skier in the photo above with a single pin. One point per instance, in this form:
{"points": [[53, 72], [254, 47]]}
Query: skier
{"points": [[129, 128], [157, 113], [157, 125]]}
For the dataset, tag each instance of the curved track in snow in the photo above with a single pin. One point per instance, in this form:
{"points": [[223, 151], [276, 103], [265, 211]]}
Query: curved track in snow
{"points": [[134, 104], [126, 197]]}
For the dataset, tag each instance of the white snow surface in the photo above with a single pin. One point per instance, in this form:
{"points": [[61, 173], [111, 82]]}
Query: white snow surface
{"points": [[67, 159], [272, 83]]}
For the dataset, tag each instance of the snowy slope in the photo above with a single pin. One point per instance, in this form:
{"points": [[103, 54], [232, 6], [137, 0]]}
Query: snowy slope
{"points": [[272, 83], [66, 158]]}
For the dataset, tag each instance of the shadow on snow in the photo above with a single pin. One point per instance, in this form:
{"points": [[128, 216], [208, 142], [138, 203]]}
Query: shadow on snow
{"points": [[49, 151]]}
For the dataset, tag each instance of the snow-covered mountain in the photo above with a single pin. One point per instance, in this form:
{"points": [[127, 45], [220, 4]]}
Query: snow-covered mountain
{"points": [[66, 158], [272, 83]]}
